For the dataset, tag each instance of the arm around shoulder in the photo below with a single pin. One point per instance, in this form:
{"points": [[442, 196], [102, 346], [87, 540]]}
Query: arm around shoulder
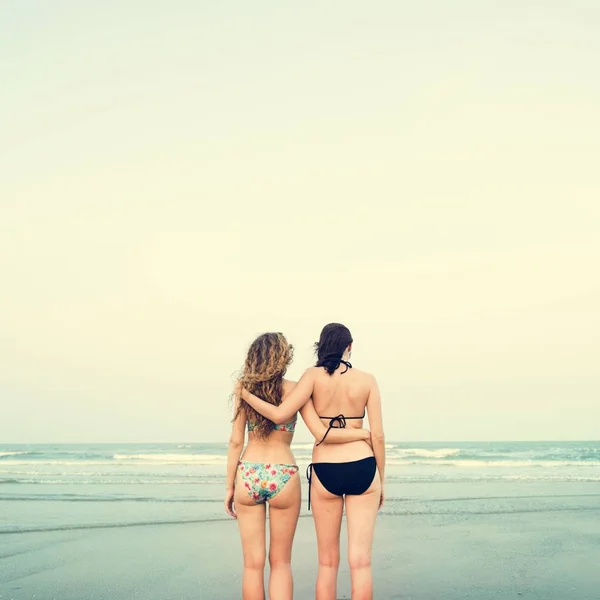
{"points": [[296, 399]]}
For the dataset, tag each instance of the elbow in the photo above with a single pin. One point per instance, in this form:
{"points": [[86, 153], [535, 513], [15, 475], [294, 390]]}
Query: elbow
{"points": [[279, 419], [318, 434], [378, 437], [235, 443]]}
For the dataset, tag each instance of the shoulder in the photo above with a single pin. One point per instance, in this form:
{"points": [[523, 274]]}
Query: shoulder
{"points": [[311, 374], [365, 377], [313, 371], [239, 408], [362, 373]]}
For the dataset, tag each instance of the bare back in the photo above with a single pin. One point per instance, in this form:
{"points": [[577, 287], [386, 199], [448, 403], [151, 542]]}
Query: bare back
{"points": [[276, 447], [342, 393]]}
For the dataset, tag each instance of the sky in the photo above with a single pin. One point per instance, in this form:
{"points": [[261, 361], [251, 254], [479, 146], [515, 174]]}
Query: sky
{"points": [[177, 178]]}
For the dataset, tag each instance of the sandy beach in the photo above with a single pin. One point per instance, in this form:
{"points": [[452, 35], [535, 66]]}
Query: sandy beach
{"points": [[511, 552]]}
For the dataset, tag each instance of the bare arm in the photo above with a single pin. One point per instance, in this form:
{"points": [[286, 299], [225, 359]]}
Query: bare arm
{"points": [[336, 435], [376, 425], [296, 399], [236, 445]]}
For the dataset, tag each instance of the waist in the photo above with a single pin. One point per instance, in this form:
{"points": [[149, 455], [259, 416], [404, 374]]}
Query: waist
{"points": [[267, 451], [342, 452]]}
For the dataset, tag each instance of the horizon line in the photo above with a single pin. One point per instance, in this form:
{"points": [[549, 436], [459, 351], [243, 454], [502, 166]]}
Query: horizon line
{"points": [[448, 441]]}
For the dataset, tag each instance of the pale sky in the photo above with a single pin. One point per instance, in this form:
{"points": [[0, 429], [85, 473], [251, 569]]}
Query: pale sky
{"points": [[178, 177]]}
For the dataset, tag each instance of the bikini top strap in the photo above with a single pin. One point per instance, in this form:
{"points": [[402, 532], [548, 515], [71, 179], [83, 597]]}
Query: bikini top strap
{"points": [[347, 418]]}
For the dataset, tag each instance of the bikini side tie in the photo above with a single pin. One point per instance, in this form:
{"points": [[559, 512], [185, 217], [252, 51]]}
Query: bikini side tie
{"points": [[309, 471]]}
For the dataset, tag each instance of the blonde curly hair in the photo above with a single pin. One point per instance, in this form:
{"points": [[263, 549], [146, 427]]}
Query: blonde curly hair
{"points": [[267, 361]]}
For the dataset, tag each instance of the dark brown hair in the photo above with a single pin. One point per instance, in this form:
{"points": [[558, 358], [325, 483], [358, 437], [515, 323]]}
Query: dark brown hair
{"points": [[267, 361], [334, 340]]}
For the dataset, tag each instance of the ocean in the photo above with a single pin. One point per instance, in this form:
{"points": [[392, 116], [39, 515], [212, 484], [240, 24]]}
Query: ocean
{"points": [[55, 487]]}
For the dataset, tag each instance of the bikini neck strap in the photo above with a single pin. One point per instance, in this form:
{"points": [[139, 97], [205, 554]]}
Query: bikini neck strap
{"points": [[331, 363], [347, 363]]}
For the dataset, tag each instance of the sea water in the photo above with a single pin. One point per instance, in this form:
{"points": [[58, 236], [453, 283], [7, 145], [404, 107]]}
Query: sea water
{"points": [[58, 486]]}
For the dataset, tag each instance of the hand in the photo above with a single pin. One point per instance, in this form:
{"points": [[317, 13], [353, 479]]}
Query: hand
{"points": [[229, 503], [381, 498], [367, 438], [237, 389]]}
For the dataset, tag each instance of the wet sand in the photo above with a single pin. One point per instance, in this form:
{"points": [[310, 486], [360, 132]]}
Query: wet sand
{"points": [[551, 554]]}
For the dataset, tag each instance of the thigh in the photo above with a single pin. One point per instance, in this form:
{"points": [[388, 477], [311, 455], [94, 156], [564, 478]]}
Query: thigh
{"points": [[251, 518], [284, 510], [327, 509], [361, 512]]}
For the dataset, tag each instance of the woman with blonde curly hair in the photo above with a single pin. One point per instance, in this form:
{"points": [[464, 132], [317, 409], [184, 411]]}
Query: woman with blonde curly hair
{"points": [[266, 472]]}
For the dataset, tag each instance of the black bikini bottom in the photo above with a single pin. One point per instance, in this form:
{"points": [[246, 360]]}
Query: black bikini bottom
{"points": [[347, 478]]}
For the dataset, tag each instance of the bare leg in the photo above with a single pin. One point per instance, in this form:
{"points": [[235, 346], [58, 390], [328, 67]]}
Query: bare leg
{"points": [[283, 518], [327, 509], [251, 519], [361, 512]]}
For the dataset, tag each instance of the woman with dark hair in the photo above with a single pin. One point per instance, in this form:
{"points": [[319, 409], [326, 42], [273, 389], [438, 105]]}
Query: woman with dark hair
{"points": [[349, 473], [266, 472]]}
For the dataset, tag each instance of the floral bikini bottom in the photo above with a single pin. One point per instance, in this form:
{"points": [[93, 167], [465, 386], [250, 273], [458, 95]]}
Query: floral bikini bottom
{"points": [[263, 481]]}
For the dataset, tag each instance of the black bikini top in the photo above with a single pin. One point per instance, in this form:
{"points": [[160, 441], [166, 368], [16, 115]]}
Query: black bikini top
{"points": [[339, 422]]}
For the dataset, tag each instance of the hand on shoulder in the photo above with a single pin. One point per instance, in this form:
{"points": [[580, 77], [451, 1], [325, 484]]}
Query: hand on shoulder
{"points": [[237, 389]]}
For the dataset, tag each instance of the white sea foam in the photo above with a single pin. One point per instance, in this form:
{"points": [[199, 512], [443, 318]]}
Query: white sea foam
{"points": [[424, 453], [69, 463], [136, 481], [494, 463], [170, 458], [128, 460], [11, 453], [545, 478]]}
